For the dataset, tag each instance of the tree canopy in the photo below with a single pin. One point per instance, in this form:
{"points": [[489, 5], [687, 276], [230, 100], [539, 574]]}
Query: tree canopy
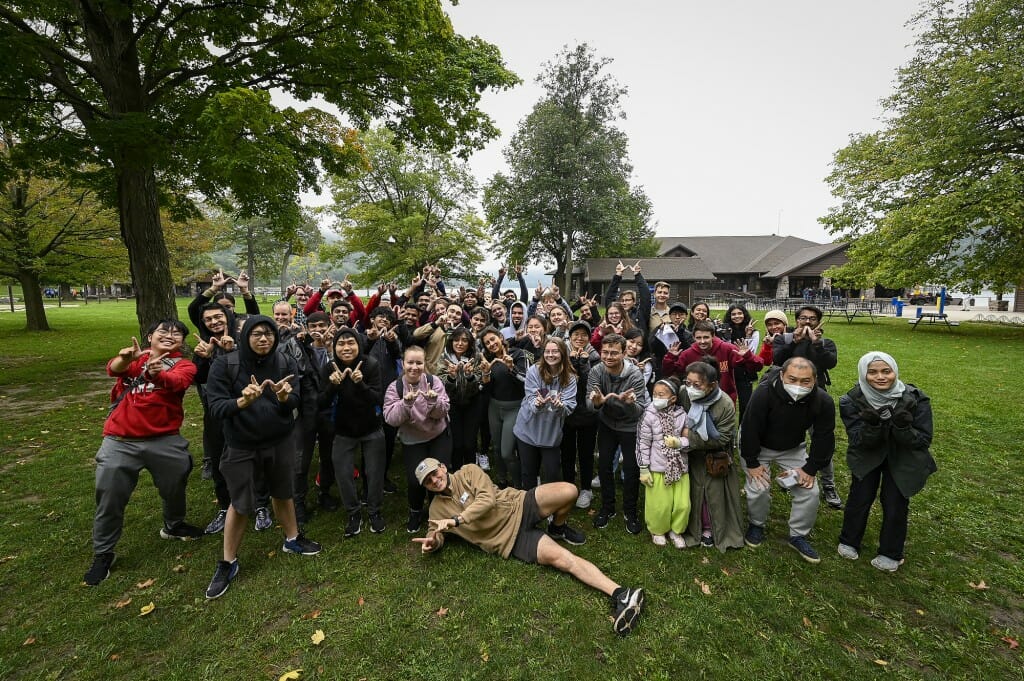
{"points": [[409, 207], [937, 195], [170, 99], [567, 195]]}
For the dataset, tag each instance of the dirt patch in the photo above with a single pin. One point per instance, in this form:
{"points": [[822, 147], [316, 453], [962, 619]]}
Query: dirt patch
{"points": [[30, 402]]}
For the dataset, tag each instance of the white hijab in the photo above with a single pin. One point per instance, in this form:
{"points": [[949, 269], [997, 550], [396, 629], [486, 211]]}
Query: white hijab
{"points": [[875, 398]]}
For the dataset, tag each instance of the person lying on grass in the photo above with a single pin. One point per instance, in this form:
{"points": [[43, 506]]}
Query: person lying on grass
{"points": [[502, 521]]}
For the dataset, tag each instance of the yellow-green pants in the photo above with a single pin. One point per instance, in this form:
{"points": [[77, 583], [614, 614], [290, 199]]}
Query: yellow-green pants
{"points": [[667, 507]]}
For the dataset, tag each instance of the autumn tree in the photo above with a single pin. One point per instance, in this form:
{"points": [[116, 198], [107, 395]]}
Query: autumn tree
{"points": [[407, 207], [567, 195], [937, 195], [172, 99]]}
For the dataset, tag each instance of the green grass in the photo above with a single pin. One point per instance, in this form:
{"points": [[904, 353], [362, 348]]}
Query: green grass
{"points": [[769, 614]]}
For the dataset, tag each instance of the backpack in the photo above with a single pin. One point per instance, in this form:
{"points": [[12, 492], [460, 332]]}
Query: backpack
{"points": [[400, 385]]}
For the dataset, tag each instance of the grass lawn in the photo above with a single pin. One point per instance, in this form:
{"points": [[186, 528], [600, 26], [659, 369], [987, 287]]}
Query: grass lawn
{"points": [[388, 613]]}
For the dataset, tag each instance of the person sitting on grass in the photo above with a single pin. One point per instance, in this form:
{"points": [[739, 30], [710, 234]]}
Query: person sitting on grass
{"points": [[141, 431], [501, 521], [255, 392]]}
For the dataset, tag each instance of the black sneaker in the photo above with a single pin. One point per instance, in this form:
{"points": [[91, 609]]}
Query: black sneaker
{"points": [[627, 607], [207, 468], [389, 487], [222, 577], [182, 532], [415, 520], [707, 541], [754, 536], [100, 568], [832, 497], [301, 545], [327, 502], [633, 525], [217, 524], [567, 534], [355, 523], [804, 548], [602, 519], [377, 523]]}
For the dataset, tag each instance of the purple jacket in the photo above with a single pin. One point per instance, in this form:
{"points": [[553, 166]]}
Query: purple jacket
{"points": [[650, 447], [418, 420]]}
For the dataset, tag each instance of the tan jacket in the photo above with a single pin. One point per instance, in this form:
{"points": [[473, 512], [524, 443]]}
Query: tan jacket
{"points": [[490, 516]]}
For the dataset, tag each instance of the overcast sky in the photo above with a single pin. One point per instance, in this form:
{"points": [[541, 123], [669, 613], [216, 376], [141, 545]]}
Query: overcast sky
{"points": [[734, 107]]}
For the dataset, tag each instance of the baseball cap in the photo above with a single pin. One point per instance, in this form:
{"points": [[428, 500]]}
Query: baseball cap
{"points": [[425, 468]]}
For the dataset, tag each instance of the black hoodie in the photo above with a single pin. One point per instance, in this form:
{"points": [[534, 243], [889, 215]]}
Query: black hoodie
{"points": [[266, 422], [358, 409], [203, 364]]}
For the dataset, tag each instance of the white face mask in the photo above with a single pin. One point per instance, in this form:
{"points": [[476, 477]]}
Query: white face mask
{"points": [[797, 392], [660, 403], [694, 393]]}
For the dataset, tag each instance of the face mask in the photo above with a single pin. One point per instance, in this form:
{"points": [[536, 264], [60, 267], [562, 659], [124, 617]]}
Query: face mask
{"points": [[660, 403], [694, 393], [797, 391]]}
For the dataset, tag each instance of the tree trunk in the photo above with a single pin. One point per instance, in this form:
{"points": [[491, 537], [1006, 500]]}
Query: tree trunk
{"points": [[35, 313], [1018, 297], [567, 291], [284, 269], [143, 235]]}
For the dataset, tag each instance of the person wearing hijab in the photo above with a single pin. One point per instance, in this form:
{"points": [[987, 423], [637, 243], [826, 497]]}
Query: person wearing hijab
{"points": [[889, 428]]}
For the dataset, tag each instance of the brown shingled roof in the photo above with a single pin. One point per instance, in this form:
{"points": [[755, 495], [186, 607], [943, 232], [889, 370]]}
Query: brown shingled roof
{"points": [[653, 269]]}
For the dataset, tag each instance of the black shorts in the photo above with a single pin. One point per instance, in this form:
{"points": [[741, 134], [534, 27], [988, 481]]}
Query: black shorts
{"points": [[528, 536], [243, 468]]}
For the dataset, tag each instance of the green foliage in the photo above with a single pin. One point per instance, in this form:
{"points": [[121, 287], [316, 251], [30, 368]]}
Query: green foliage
{"points": [[567, 194], [937, 195], [407, 208]]}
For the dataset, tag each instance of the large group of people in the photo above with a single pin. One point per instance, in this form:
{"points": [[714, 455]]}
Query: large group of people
{"points": [[500, 400]]}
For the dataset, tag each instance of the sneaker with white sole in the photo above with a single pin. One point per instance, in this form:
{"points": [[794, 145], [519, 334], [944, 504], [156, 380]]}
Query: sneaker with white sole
{"points": [[596, 482], [804, 548], [886, 564], [222, 577], [585, 498], [627, 606], [301, 545], [832, 497], [567, 534], [848, 552], [217, 524], [658, 540], [263, 521], [483, 461], [100, 568], [355, 523], [182, 532], [676, 540]]}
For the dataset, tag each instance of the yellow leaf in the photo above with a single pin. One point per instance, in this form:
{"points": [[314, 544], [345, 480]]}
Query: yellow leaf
{"points": [[290, 676], [270, 554], [146, 609], [318, 637], [919, 611], [29, 641], [179, 568], [146, 584], [121, 604], [980, 586], [882, 663]]}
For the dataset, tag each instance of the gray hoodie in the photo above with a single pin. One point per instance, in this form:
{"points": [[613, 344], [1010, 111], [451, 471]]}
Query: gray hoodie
{"points": [[614, 413]]}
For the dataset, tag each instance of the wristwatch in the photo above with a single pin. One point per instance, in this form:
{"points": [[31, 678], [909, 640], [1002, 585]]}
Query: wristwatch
{"points": [[458, 521]]}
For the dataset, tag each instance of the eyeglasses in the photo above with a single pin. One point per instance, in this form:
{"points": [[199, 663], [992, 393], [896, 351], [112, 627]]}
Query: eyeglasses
{"points": [[261, 334], [172, 334], [691, 384], [805, 318]]}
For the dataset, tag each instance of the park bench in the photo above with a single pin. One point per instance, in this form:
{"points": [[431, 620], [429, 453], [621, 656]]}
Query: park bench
{"points": [[932, 318]]}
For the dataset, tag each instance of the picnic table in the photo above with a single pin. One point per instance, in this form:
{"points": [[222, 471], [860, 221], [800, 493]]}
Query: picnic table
{"points": [[932, 318], [852, 310]]}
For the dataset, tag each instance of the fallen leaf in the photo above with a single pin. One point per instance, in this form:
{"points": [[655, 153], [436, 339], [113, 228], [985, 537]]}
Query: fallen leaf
{"points": [[179, 568], [44, 432], [442, 611], [290, 676], [7, 558], [980, 586], [29, 641], [121, 604], [849, 648], [146, 584], [705, 589], [311, 615], [919, 611], [705, 560], [1012, 642], [115, 657], [727, 572], [807, 622], [270, 554], [361, 602], [882, 663], [146, 609], [318, 637]]}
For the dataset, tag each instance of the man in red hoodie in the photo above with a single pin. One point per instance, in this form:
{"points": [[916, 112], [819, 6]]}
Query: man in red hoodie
{"points": [[141, 431], [705, 342]]}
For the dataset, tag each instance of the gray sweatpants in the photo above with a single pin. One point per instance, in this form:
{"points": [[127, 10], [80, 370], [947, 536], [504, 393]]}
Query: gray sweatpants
{"points": [[118, 463], [805, 501]]}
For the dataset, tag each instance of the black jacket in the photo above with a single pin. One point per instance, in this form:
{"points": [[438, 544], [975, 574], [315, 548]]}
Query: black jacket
{"points": [[356, 407], [773, 420]]}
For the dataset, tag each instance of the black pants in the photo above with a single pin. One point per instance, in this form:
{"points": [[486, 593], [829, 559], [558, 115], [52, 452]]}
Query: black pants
{"points": [[744, 387], [439, 448], [213, 447], [532, 459], [313, 427], [608, 441], [464, 424], [578, 443], [895, 509]]}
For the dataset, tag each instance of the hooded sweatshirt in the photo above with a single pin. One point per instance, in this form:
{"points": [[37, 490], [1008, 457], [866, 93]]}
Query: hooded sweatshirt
{"points": [[266, 422], [356, 407], [614, 413], [509, 330]]}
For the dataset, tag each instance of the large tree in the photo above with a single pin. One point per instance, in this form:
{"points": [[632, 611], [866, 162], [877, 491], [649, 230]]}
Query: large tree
{"points": [[567, 195], [407, 208], [937, 195], [171, 97]]}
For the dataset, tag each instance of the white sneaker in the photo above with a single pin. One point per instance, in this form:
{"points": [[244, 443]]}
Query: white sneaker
{"points": [[596, 482], [676, 540], [848, 552], [886, 564], [483, 462], [584, 499], [658, 539]]}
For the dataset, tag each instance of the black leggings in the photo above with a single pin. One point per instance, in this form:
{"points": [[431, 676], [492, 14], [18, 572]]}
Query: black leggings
{"points": [[532, 459], [578, 442], [439, 448]]}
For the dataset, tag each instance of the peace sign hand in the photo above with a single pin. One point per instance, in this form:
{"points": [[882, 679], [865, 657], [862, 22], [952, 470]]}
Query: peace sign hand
{"points": [[154, 365], [219, 281], [132, 352], [337, 376], [202, 348], [282, 388], [250, 393], [411, 394], [356, 374], [225, 342]]}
